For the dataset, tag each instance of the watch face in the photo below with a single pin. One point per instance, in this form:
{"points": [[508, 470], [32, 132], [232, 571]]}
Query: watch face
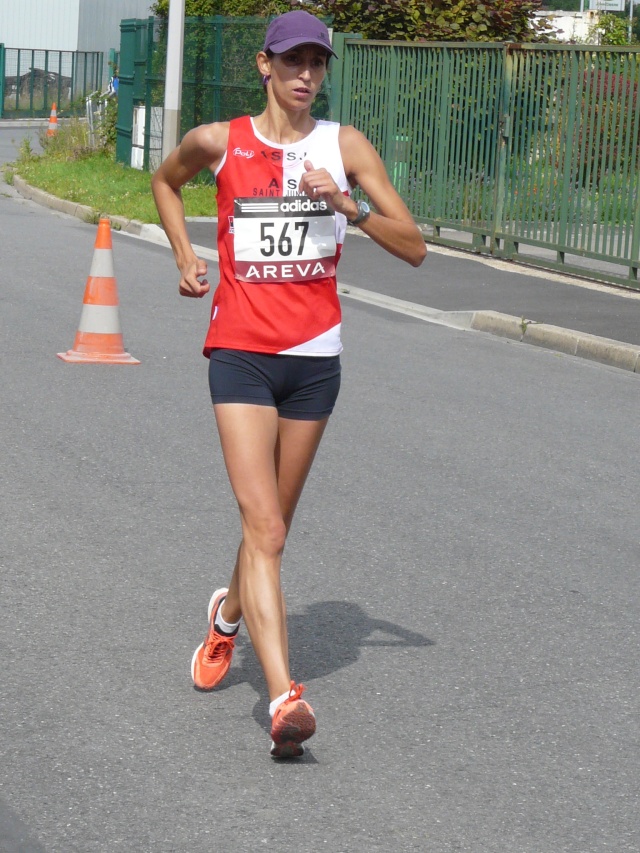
{"points": [[362, 214]]}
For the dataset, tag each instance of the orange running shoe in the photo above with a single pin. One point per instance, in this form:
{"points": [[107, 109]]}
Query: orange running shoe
{"points": [[212, 659], [293, 722]]}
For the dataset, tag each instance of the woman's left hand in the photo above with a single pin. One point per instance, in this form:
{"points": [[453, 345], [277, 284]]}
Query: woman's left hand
{"points": [[318, 183]]}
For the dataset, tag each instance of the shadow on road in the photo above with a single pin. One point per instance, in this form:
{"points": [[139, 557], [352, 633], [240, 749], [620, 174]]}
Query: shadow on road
{"points": [[14, 834], [327, 637]]}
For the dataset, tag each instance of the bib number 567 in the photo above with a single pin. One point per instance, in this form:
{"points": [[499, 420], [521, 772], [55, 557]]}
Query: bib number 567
{"points": [[282, 244]]}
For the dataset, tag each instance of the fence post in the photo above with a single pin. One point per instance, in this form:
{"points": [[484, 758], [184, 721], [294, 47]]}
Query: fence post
{"points": [[634, 262], [74, 75], [148, 99], [124, 123], [59, 93], [394, 146], [217, 66], [569, 151], [443, 133], [18, 57], [2, 63], [173, 79], [504, 143], [336, 74], [32, 69]]}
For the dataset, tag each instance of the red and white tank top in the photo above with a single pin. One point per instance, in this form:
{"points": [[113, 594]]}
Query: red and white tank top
{"points": [[278, 249]]}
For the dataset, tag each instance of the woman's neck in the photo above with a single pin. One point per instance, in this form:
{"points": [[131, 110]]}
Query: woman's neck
{"points": [[283, 127]]}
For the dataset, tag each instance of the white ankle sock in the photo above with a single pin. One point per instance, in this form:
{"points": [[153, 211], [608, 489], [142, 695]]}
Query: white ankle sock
{"points": [[273, 706], [225, 627]]}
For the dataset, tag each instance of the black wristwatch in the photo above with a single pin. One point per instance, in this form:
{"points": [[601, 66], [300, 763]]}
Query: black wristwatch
{"points": [[364, 212]]}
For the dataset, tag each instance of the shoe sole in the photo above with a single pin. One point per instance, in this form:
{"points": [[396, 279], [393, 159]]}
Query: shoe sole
{"points": [[193, 667], [286, 750], [298, 725], [195, 654]]}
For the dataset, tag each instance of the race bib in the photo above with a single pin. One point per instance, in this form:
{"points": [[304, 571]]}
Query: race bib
{"points": [[291, 238]]}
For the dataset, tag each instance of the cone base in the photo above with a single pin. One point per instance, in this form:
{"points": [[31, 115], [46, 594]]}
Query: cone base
{"points": [[97, 358]]}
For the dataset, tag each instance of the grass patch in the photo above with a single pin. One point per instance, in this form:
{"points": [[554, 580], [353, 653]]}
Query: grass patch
{"points": [[68, 168]]}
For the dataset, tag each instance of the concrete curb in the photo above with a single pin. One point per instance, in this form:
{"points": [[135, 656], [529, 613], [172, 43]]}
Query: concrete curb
{"points": [[72, 208], [24, 122], [580, 344], [569, 341]]}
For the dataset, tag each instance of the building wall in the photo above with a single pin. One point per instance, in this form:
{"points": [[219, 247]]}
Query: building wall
{"points": [[99, 21], [67, 24], [571, 26], [39, 24]]}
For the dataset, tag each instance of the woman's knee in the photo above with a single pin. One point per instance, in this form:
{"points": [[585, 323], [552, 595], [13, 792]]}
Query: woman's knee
{"points": [[266, 536]]}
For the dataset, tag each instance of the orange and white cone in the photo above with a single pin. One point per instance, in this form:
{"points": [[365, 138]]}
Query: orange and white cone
{"points": [[99, 339], [53, 121]]}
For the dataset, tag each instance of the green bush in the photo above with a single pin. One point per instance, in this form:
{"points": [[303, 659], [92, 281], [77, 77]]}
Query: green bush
{"points": [[230, 8], [439, 20], [70, 142]]}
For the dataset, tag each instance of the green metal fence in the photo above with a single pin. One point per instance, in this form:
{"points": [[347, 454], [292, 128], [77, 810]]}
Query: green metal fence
{"points": [[2, 62], [527, 152], [134, 34], [33, 79], [219, 80]]}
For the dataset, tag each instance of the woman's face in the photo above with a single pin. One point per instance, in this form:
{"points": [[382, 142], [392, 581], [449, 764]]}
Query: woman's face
{"points": [[297, 75]]}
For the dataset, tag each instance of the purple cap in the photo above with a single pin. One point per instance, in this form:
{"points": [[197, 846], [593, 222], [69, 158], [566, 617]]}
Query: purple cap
{"points": [[295, 28]]}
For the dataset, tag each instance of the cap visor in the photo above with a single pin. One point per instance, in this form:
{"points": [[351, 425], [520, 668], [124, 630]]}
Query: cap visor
{"points": [[288, 44]]}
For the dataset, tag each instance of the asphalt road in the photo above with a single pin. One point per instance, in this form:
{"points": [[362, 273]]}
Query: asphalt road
{"points": [[12, 134], [460, 281], [462, 580]]}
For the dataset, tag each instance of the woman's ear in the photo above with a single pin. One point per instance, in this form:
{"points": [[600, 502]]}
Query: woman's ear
{"points": [[264, 64]]}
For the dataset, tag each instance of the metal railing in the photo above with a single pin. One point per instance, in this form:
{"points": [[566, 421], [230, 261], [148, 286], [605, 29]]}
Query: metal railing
{"points": [[95, 111], [526, 152], [33, 79], [2, 65], [220, 80]]}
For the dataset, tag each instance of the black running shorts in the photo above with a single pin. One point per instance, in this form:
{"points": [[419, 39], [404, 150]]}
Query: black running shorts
{"points": [[301, 387]]}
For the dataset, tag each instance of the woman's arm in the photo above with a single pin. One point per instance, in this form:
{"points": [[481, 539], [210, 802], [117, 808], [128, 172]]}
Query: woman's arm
{"points": [[202, 148], [391, 226]]}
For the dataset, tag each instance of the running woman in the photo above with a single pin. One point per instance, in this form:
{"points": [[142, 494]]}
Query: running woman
{"points": [[283, 190]]}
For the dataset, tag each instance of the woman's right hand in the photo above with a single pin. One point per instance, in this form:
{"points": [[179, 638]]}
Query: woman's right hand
{"points": [[192, 281], [201, 148]]}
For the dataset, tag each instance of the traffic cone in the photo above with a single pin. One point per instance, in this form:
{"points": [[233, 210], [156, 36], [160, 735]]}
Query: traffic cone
{"points": [[53, 121], [99, 339]]}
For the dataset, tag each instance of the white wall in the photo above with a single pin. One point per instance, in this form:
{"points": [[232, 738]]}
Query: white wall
{"points": [[39, 24], [67, 24], [570, 26], [99, 23]]}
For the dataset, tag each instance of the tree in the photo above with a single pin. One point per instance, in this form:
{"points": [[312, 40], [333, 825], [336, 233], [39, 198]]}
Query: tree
{"points": [[397, 20], [230, 8], [561, 5], [438, 20], [609, 29]]}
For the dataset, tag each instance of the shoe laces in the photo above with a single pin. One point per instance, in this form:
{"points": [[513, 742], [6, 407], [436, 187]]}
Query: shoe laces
{"points": [[217, 646], [295, 692]]}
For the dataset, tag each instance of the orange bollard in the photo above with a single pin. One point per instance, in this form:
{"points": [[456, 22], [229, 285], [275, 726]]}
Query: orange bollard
{"points": [[99, 339], [53, 121]]}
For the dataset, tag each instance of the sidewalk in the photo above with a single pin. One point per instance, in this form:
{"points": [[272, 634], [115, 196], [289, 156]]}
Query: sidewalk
{"points": [[459, 289], [470, 291]]}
